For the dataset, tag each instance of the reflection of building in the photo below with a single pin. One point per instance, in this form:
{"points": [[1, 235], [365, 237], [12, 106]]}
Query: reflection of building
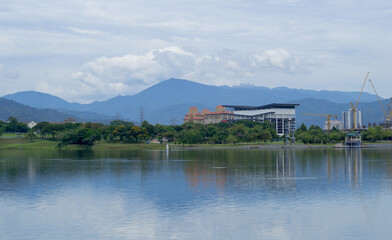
{"points": [[333, 124], [354, 165], [207, 117], [220, 168], [348, 119]]}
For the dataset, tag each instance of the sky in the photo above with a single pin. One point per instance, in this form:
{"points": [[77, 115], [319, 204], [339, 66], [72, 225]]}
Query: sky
{"points": [[89, 50]]}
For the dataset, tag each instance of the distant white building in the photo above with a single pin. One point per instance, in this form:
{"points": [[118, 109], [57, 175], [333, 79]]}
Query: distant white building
{"points": [[31, 124], [333, 124], [348, 119]]}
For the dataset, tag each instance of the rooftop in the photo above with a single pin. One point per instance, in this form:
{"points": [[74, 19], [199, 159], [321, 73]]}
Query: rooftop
{"points": [[272, 105]]}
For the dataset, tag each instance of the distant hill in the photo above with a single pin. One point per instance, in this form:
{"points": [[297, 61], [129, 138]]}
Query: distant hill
{"points": [[171, 99], [22, 112], [41, 100]]}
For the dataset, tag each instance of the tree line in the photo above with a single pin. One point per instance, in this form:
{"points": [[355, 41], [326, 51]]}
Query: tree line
{"points": [[187, 133], [316, 135], [128, 132], [13, 126]]}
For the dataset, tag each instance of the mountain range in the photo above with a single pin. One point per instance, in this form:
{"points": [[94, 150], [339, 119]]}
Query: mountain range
{"points": [[25, 113], [168, 102]]}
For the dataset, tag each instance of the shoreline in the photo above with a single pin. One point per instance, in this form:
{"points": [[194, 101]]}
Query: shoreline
{"points": [[46, 144]]}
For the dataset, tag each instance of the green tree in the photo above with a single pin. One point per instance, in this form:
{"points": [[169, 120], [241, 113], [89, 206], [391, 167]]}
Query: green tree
{"points": [[387, 134], [150, 128], [120, 132], [137, 134], [38, 128], [52, 129], [83, 136], [266, 136], [191, 137], [170, 135], [30, 136], [12, 124], [120, 122], [240, 131], [231, 139], [373, 134]]}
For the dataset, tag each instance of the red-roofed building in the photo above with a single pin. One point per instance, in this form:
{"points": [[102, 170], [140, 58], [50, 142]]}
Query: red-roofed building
{"points": [[208, 117], [194, 116]]}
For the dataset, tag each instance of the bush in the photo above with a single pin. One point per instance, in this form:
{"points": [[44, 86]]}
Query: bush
{"points": [[84, 136]]}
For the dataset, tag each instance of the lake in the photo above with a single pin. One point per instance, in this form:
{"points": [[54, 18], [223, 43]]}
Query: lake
{"points": [[279, 193]]}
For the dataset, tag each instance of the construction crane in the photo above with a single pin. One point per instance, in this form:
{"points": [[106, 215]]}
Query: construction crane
{"points": [[387, 117], [356, 104], [328, 116]]}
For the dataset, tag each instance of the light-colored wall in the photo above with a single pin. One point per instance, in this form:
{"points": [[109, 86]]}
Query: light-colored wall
{"points": [[32, 124], [278, 111]]}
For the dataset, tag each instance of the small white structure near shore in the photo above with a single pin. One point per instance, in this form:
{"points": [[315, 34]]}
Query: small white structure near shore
{"points": [[32, 124]]}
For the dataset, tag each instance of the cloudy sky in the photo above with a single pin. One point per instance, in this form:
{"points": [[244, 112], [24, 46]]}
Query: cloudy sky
{"points": [[93, 50]]}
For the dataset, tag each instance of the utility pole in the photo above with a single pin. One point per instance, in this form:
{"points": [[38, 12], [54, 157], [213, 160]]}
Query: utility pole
{"points": [[173, 121]]}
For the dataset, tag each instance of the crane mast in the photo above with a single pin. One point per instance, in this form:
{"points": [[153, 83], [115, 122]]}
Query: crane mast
{"points": [[387, 117], [328, 116], [354, 107]]}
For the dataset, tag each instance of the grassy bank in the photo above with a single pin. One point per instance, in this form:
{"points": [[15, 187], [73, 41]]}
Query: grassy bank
{"points": [[45, 144], [21, 143]]}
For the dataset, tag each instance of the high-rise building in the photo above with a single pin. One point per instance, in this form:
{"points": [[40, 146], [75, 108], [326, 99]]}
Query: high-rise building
{"points": [[348, 119]]}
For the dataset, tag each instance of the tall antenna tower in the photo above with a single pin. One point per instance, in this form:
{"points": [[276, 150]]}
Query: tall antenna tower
{"points": [[173, 121]]}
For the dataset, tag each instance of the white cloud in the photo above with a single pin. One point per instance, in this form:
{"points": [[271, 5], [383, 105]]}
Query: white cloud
{"points": [[281, 38], [106, 77], [276, 58], [85, 31]]}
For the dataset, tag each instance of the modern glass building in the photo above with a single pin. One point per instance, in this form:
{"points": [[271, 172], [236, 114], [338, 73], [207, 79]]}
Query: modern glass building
{"points": [[282, 115]]}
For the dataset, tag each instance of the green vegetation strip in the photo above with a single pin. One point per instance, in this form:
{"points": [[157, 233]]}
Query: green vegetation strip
{"points": [[125, 135]]}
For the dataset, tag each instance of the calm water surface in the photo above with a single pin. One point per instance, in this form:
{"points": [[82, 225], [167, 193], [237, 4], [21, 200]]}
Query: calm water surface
{"points": [[197, 194]]}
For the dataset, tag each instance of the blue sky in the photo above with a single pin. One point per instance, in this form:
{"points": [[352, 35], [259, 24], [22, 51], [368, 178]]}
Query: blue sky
{"points": [[93, 50]]}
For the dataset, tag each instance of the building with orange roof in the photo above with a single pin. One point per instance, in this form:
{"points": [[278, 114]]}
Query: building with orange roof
{"points": [[208, 117], [282, 115], [220, 115], [194, 116]]}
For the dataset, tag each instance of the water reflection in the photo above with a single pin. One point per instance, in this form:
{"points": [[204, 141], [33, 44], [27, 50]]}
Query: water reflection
{"points": [[353, 166], [275, 169], [196, 194], [242, 169]]}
